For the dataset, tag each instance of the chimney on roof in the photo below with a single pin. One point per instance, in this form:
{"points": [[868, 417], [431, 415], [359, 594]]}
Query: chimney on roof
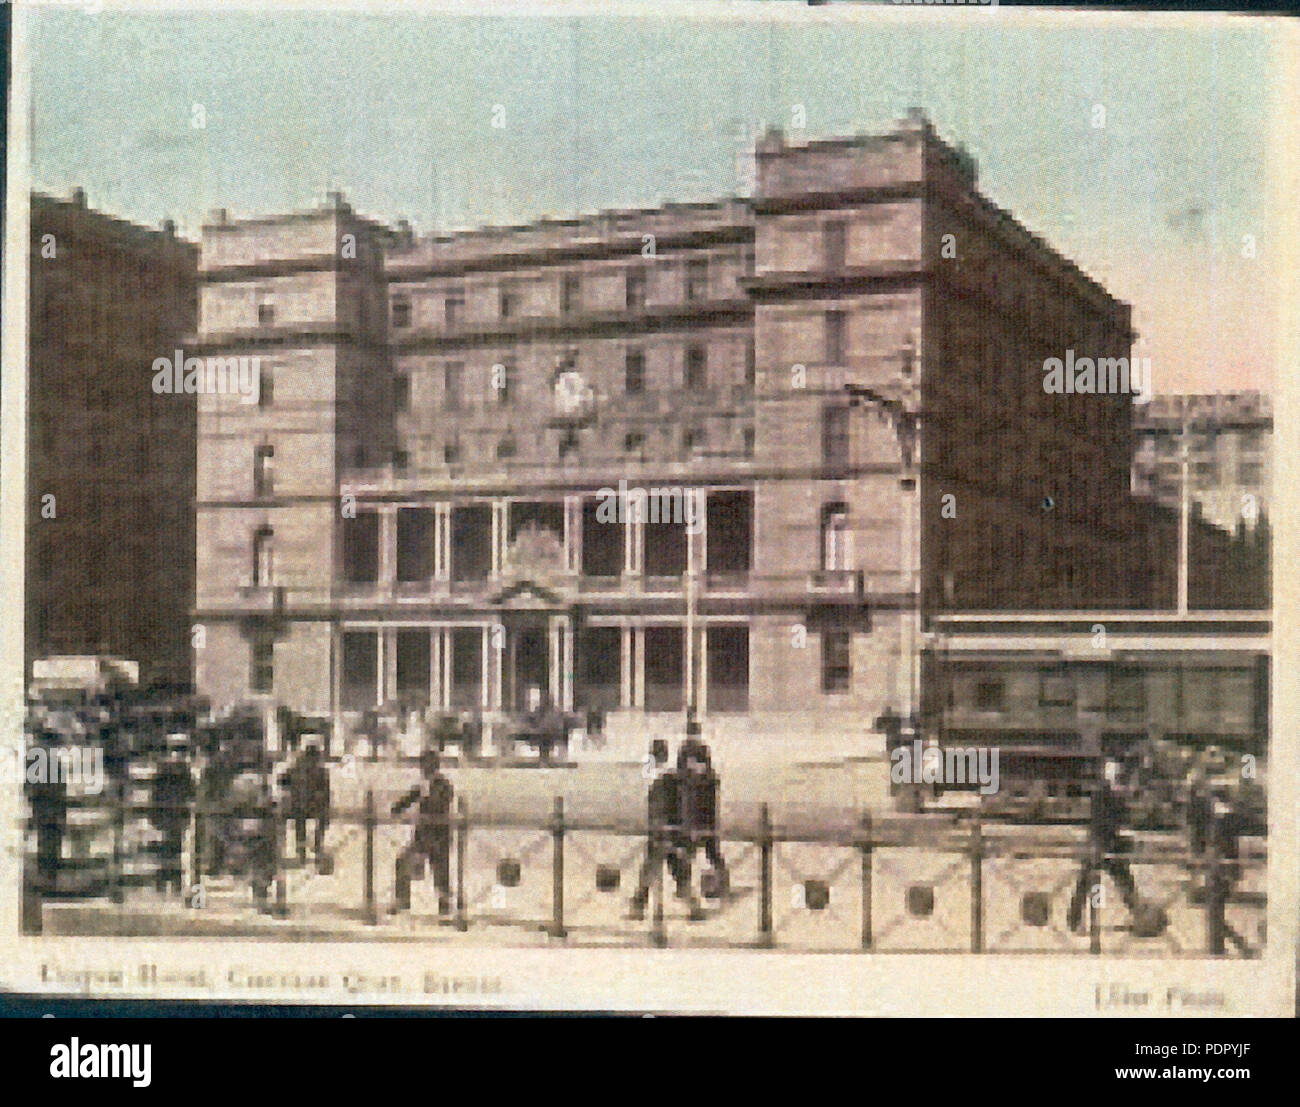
{"points": [[169, 227], [79, 197], [219, 216]]}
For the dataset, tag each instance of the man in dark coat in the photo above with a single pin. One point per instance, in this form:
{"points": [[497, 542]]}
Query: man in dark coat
{"points": [[431, 841], [173, 797], [1108, 815], [662, 831], [308, 784], [698, 806], [48, 798]]}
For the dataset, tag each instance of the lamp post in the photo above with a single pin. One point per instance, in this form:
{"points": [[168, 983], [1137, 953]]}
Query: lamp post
{"points": [[898, 406]]}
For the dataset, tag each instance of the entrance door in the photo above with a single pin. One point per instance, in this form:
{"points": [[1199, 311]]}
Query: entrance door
{"points": [[529, 664]]}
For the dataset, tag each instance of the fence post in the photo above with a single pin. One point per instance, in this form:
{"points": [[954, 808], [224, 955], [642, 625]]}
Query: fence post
{"points": [[462, 839], [119, 830], [977, 888], [764, 876], [1214, 889], [278, 832], [196, 852], [1094, 901], [557, 870], [659, 933], [867, 852], [368, 818]]}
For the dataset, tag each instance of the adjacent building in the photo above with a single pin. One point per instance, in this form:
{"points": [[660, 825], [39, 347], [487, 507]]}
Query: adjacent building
{"points": [[110, 473], [724, 454], [1229, 440]]}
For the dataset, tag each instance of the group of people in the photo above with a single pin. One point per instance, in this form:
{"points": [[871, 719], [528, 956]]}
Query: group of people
{"points": [[682, 817]]}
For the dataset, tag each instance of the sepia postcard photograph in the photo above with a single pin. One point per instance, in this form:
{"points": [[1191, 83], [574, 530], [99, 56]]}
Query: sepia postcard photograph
{"points": [[753, 508]]}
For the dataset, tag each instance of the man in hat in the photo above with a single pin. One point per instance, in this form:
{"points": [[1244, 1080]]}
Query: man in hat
{"points": [[431, 841], [307, 781], [698, 806], [662, 833], [173, 796], [1108, 814]]}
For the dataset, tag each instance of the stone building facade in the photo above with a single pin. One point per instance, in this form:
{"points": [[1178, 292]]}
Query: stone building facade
{"points": [[110, 463], [843, 374]]}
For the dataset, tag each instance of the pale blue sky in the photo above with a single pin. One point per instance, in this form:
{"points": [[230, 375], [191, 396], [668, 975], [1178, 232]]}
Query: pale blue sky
{"points": [[609, 111]]}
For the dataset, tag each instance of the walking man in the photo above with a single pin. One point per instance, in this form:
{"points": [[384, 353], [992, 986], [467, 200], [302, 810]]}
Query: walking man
{"points": [[662, 834], [698, 807], [1107, 816], [308, 785], [173, 796], [431, 841]]}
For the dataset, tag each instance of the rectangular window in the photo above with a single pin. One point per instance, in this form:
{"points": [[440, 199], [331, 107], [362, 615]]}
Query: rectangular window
{"points": [[1250, 473], [835, 337], [635, 289], [452, 307], [263, 558], [1055, 688], [508, 301], [990, 695], [413, 665], [750, 372], [834, 243], [261, 676], [837, 663], [696, 374], [836, 554], [504, 375], [452, 373], [634, 372], [360, 669], [401, 312], [401, 392], [361, 548], [697, 279], [570, 294], [265, 386], [263, 465], [835, 437], [728, 668], [265, 315]]}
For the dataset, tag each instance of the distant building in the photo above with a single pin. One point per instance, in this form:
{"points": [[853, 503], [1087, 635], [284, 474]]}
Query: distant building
{"points": [[1230, 454], [110, 478]]}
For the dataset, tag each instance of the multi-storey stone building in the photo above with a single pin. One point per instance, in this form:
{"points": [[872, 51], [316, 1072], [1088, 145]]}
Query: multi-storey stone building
{"points": [[1229, 448], [845, 372], [110, 471]]}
